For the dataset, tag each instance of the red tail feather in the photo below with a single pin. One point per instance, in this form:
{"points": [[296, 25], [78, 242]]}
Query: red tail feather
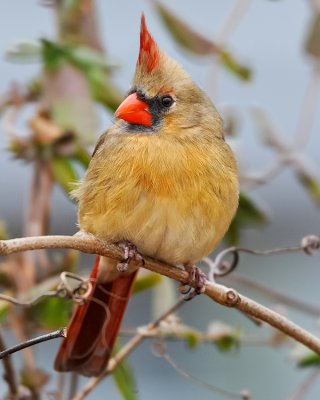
{"points": [[95, 325]]}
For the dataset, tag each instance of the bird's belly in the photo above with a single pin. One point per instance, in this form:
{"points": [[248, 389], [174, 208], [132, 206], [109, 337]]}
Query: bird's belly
{"points": [[170, 234], [169, 229]]}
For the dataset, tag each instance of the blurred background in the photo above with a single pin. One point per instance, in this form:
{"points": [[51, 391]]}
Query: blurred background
{"points": [[65, 66]]}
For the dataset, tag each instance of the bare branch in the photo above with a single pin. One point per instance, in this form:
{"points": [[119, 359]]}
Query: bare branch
{"points": [[43, 338], [310, 244], [233, 19], [9, 374], [219, 293], [306, 385], [271, 293], [308, 109], [244, 395]]}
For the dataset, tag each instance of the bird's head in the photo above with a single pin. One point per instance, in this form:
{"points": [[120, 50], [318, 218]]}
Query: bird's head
{"points": [[163, 98]]}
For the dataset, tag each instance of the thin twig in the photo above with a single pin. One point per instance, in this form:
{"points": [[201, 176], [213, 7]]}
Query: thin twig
{"points": [[219, 293], [39, 339], [305, 386], [16, 324], [30, 302], [310, 244], [233, 19], [244, 395], [288, 154], [201, 337], [229, 25], [125, 351], [251, 181], [9, 374], [308, 109]]}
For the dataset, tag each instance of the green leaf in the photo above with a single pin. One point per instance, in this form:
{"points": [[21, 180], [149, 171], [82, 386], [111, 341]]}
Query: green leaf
{"points": [[232, 65], [310, 359], [223, 336], [86, 58], [4, 308], [248, 214], [64, 173], [83, 58], [103, 89], [82, 156], [24, 51], [146, 282], [312, 185], [199, 45], [51, 313], [52, 55], [227, 343], [124, 379], [192, 339], [312, 45], [183, 34], [92, 64]]}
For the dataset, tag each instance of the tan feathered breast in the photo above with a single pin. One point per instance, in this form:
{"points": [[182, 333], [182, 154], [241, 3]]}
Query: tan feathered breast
{"points": [[172, 196]]}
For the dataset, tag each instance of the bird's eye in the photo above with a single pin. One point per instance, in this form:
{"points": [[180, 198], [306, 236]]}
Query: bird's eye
{"points": [[167, 101]]}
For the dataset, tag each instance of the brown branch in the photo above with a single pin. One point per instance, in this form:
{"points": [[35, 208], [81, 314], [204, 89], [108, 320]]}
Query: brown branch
{"points": [[17, 326], [219, 293], [310, 309], [9, 374]]}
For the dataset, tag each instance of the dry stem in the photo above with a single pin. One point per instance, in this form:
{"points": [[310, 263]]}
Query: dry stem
{"points": [[219, 293]]}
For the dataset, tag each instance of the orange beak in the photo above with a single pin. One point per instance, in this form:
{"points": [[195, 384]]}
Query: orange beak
{"points": [[134, 111]]}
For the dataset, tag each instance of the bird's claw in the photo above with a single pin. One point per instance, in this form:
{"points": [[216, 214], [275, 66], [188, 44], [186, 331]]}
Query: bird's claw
{"points": [[130, 253], [197, 278]]}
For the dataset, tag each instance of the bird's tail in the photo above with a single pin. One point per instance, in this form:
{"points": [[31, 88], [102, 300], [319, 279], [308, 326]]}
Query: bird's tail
{"points": [[95, 324]]}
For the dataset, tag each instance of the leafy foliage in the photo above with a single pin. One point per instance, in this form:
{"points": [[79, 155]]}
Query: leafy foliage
{"points": [[309, 360], [312, 186], [146, 282], [124, 379], [199, 45], [51, 313], [64, 173], [90, 62]]}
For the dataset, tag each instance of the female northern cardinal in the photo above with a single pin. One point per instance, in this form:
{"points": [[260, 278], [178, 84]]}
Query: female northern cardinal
{"points": [[161, 178]]}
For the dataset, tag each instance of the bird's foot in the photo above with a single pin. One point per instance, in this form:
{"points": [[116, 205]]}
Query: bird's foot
{"points": [[130, 253], [197, 278]]}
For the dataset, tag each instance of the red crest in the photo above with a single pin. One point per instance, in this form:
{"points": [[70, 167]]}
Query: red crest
{"points": [[149, 51]]}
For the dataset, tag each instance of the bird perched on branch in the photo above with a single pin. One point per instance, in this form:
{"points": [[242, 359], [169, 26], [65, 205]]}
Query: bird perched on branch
{"points": [[163, 180]]}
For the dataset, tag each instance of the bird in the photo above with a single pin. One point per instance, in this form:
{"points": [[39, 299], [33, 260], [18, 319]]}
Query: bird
{"points": [[163, 181]]}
